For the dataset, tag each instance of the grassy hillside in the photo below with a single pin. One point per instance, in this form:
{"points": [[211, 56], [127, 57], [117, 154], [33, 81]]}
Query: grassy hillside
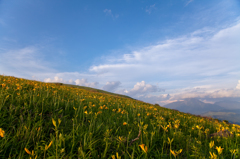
{"points": [[93, 90], [42, 120]]}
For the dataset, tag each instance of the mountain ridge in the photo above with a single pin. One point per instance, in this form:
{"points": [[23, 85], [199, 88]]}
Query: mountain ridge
{"points": [[224, 111]]}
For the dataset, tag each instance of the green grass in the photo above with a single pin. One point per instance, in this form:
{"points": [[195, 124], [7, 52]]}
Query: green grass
{"points": [[42, 120]]}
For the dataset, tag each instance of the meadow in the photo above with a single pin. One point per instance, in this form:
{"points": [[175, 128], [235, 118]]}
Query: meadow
{"points": [[54, 121]]}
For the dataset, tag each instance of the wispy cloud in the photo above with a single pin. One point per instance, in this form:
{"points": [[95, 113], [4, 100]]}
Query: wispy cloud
{"points": [[2, 22], [108, 12], [111, 86], [196, 60], [26, 61], [198, 56], [188, 2], [208, 64], [205, 95], [238, 85], [150, 8], [84, 82], [141, 88], [57, 79], [80, 82]]}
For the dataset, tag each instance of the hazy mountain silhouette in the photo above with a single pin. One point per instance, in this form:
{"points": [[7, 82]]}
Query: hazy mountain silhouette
{"points": [[229, 104], [223, 110], [193, 106]]}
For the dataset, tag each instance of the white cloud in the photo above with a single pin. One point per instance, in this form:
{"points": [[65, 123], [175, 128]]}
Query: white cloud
{"points": [[190, 1], [23, 62], [80, 82], [207, 64], [238, 85], [220, 93], [198, 56], [84, 82], [150, 8], [111, 86], [108, 12], [57, 79], [204, 94], [142, 88]]}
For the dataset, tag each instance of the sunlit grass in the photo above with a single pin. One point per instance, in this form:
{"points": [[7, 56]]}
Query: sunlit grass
{"points": [[42, 120]]}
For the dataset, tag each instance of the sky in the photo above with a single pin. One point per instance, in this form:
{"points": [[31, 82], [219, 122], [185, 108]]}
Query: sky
{"points": [[154, 51]]}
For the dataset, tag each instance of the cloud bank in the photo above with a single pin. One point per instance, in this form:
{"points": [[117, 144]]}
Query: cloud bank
{"points": [[141, 88], [80, 82], [238, 85], [111, 86]]}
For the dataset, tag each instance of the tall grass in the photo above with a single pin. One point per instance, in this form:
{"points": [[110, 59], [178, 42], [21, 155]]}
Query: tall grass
{"points": [[41, 120]]}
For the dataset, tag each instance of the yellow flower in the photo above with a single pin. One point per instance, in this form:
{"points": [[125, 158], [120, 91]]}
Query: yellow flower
{"points": [[2, 132], [164, 128], [121, 139], [86, 112], [54, 122], [119, 110], [3, 85], [170, 141], [47, 147], [175, 153], [233, 151], [138, 114], [124, 123], [211, 144], [27, 151], [213, 155], [118, 157], [219, 149], [62, 150], [143, 147]]}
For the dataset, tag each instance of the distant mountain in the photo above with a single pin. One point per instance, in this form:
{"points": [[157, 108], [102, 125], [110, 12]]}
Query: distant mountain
{"points": [[229, 115], [223, 110], [193, 106], [229, 104]]}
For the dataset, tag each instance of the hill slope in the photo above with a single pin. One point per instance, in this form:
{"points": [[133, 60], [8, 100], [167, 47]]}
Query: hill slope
{"points": [[91, 89], [42, 120]]}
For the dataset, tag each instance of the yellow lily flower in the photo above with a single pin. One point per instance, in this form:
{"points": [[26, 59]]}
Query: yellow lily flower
{"points": [[143, 147]]}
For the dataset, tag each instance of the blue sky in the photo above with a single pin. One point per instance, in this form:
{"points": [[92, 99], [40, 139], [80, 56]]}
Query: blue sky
{"points": [[155, 51]]}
